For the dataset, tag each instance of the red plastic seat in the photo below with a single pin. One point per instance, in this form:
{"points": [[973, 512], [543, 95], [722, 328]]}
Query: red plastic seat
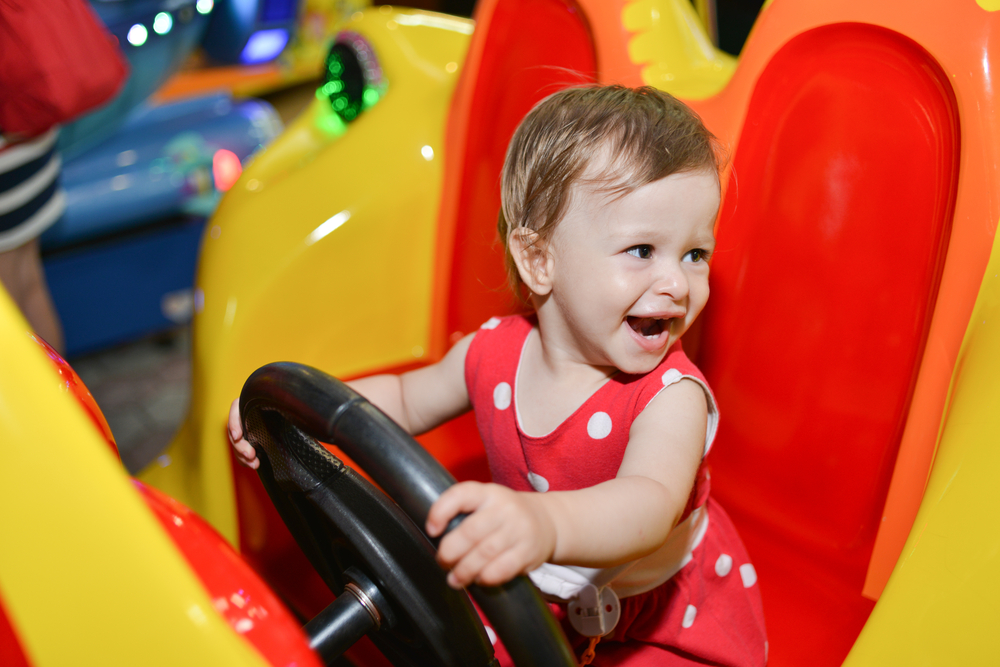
{"points": [[513, 63], [831, 243]]}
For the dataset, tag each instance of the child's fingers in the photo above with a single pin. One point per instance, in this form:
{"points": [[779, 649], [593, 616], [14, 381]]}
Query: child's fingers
{"points": [[504, 535], [479, 531], [492, 560], [244, 450], [246, 454], [501, 569], [235, 427], [463, 497]]}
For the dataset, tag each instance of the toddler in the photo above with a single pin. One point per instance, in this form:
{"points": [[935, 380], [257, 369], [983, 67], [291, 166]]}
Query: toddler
{"points": [[595, 423]]}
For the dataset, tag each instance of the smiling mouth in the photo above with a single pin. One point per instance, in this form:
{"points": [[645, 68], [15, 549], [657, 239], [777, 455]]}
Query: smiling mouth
{"points": [[648, 327]]}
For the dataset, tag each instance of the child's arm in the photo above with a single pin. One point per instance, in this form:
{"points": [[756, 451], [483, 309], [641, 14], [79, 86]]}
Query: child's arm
{"points": [[418, 401], [510, 533]]}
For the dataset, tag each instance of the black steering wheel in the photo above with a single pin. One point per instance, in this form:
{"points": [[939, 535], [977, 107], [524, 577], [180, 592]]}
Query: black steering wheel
{"points": [[372, 552]]}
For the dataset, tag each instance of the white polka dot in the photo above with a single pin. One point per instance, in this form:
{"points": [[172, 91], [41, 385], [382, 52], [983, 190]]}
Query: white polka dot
{"points": [[724, 565], [538, 483], [689, 615], [492, 635], [671, 376], [599, 425], [491, 323], [748, 574], [501, 396], [243, 626]]}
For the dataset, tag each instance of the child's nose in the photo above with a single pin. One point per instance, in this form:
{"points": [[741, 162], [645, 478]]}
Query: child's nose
{"points": [[672, 282]]}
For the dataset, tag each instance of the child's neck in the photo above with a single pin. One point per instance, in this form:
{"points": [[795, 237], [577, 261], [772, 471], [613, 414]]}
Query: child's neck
{"points": [[553, 381]]}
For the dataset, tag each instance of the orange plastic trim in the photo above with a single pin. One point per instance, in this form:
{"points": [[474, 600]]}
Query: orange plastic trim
{"points": [[611, 43]]}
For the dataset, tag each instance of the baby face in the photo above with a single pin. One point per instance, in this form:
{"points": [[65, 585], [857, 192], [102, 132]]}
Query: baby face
{"points": [[629, 275]]}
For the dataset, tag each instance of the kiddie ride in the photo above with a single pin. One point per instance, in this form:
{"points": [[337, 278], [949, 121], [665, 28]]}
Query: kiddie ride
{"points": [[149, 582], [851, 339]]}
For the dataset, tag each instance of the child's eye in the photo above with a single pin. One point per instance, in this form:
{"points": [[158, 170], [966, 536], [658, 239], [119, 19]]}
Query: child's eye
{"points": [[696, 255], [641, 251]]}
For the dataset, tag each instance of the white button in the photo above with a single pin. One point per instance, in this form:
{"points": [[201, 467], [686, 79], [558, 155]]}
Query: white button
{"points": [[599, 425], [748, 574], [501, 396], [724, 565], [594, 612]]}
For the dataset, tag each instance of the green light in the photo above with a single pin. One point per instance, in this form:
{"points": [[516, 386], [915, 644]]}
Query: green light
{"points": [[331, 124], [162, 23], [204, 6], [331, 87], [137, 35], [353, 80]]}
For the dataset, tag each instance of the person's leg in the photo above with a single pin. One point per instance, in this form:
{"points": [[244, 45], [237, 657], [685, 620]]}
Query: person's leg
{"points": [[21, 273]]}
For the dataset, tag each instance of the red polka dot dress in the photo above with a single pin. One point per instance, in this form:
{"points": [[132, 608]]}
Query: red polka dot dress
{"points": [[695, 601]]}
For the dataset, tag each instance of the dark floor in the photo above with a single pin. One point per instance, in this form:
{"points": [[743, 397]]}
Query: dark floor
{"points": [[143, 389]]}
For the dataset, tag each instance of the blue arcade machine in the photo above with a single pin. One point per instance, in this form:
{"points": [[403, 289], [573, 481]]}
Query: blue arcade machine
{"points": [[141, 179]]}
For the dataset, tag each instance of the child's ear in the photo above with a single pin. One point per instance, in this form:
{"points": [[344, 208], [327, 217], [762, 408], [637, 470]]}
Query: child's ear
{"points": [[533, 260]]}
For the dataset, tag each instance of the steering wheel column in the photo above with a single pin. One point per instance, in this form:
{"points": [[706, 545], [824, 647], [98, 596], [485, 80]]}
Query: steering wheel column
{"points": [[353, 534]]}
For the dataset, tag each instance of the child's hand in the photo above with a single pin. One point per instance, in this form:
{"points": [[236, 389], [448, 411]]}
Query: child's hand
{"points": [[508, 533], [245, 453]]}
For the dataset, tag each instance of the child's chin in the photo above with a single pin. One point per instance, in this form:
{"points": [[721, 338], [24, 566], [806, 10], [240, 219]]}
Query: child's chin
{"points": [[640, 365]]}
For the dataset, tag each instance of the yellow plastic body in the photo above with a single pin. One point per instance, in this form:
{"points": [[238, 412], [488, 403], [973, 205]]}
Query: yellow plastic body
{"points": [[87, 575], [940, 606], [307, 204], [674, 49]]}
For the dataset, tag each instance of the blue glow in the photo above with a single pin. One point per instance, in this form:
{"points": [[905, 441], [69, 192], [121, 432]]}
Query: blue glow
{"points": [[264, 45], [245, 11]]}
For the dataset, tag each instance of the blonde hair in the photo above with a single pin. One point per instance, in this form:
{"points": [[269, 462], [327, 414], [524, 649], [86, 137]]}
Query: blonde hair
{"points": [[647, 134]]}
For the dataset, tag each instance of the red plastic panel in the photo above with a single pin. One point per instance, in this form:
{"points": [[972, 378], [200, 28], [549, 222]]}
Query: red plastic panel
{"points": [[533, 48], [237, 592], [11, 652], [72, 383], [831, 244]]}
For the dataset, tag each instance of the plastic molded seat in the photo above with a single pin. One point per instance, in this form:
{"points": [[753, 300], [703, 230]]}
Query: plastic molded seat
{"points": [[511, 67], [831, 244]]}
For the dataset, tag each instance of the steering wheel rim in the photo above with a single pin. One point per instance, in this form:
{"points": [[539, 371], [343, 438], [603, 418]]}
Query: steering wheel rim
{"points": [[322, 408]]}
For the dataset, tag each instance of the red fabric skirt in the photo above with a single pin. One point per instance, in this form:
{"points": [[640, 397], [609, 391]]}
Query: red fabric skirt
{"points": [[709, 613]]}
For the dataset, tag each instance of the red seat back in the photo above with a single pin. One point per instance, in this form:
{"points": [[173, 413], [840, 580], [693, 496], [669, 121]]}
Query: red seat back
{"points": [[521, 51], [831, 244], [529, 49]]}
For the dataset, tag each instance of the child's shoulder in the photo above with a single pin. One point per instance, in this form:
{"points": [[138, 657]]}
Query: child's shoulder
{"points": [[676, 367], [509, 330], [507, 323], [496, 345]]}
